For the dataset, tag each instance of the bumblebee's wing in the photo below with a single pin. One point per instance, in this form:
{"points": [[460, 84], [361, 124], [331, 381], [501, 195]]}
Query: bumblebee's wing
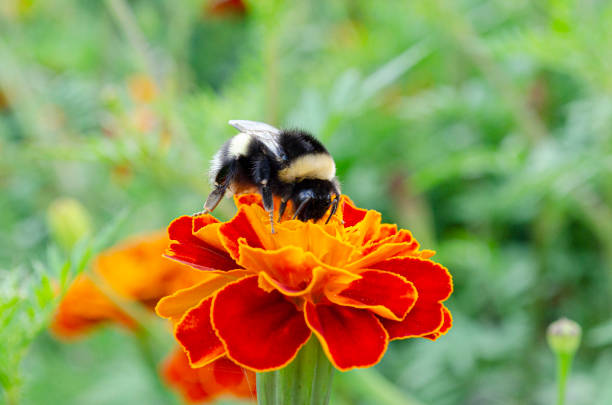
{"points": [[253, 127], [265, 133]]}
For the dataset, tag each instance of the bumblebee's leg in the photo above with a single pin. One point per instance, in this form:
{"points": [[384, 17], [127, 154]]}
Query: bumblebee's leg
{"points": [[268, 203], [299, 209], [221, 184], [285, 193], [281, 210], [262, 173], [334, 207], [214, 198], [336, 201]]}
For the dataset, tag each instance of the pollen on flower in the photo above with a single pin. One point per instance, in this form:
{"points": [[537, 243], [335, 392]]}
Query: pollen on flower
{"points": [[355, 283]]}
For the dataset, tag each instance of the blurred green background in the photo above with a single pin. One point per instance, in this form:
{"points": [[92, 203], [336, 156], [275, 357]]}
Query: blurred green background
{"points": [[484, 126]]}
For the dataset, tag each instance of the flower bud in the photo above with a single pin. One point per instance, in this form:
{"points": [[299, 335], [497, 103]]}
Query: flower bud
{"points": [[564, 336], [68, 222], [142, 88]]}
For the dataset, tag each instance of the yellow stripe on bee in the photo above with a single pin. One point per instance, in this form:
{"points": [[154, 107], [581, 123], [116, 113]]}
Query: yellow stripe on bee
{"points": [[313, 166]]}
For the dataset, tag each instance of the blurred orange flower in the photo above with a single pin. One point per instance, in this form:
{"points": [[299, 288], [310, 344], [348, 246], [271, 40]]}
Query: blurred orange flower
{"points": [[355, 283], [142, 88], [134, 271], [219, 378], [3, 101], [225, 8]]}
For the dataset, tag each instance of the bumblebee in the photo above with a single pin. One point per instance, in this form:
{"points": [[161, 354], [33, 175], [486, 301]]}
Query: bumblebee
{"points": [[290, 164]]}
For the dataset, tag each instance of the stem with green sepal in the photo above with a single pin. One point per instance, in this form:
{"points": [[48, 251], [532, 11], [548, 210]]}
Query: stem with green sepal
{"points": [[306, 380]]}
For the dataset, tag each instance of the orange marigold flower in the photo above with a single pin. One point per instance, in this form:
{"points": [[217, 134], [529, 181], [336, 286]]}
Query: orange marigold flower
{"points": [[3, 101], [220, 378], [135, 271], [226, 8], [355, 283]]}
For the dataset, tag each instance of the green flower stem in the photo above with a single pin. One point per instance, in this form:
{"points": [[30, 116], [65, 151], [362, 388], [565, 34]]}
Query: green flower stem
{"points": [[147, 353], [564, 363], [306, 380]]}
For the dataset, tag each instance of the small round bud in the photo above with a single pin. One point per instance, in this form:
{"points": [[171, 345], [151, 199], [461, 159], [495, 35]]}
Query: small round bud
{"points": [[142, 88], [564, 336], [68, 222]]}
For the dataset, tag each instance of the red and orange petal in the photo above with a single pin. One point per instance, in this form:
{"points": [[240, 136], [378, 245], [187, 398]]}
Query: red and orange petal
{"points": [[174, 306], [350, 337], [446, 325], [432, 280], [386, 294], [260, 330], [244, 227], [291, 271], [434, 285], [219, 378], [289, 266], [196, 335], [424, 318], [351, 215], [204, 251]]}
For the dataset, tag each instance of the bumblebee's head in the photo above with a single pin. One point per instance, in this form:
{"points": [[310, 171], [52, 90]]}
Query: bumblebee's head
{"points": [[312, 198]]}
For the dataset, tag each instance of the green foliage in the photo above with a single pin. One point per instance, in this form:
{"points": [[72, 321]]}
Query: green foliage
{"points": [[27, 299], [482, 126], [24, 312]]}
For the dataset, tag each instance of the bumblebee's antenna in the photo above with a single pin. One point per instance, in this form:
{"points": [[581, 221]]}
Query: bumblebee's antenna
{"points": [[301, 207]]}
